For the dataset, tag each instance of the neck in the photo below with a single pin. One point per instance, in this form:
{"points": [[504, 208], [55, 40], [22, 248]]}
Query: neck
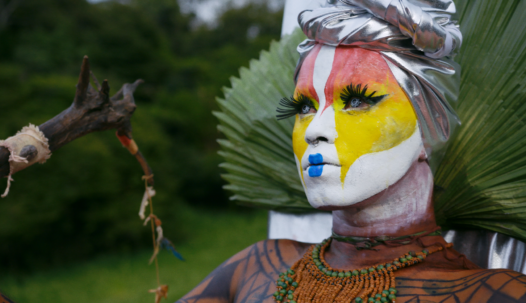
{"points": [[402, 209]]}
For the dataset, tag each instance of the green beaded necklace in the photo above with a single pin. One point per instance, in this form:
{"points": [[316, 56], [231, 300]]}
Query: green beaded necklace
{"points": [[311, 279]]}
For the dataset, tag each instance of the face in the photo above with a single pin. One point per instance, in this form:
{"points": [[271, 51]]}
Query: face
{"points": [[356, 132]]}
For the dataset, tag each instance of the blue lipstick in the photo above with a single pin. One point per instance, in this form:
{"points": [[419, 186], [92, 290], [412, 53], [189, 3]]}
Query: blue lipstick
{"points": [[316, 168]]}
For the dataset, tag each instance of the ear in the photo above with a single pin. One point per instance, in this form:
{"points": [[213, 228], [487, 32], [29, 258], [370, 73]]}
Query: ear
{"points": [[423, 155]]}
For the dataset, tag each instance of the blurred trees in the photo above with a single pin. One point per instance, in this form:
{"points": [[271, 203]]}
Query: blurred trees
{"points": [[85, 199]]}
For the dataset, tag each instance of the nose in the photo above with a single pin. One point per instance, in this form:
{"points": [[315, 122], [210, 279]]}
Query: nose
{"points": [[322, 128], [317, 140]]}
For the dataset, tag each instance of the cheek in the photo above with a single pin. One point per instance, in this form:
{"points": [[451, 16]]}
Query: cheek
{"points": [[362, 132], [298, 137]]}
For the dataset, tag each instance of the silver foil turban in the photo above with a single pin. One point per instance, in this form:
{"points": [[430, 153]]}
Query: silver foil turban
{"points": [[416, 38]]}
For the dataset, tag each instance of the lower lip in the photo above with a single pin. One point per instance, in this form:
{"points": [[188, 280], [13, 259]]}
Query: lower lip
{"points": [[315, 170]]}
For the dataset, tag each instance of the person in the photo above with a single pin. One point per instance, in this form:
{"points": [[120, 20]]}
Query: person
{"points": [[370, 108]]}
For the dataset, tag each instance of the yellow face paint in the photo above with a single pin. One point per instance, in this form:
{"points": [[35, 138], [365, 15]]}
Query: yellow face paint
{"points": [[299, 145], [359, 131], [378, 128]]}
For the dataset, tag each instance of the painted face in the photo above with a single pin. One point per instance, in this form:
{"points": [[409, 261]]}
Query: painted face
{"points": [[356, 132]]}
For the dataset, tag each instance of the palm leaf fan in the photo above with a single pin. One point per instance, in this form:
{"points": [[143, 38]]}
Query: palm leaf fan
{"points": [[484, 169], [258, 149], [483, 174]]}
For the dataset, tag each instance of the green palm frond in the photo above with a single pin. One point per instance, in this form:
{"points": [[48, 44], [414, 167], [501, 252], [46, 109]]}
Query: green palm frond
{"points": [[258, 149], [484, 169], [483, 174]]}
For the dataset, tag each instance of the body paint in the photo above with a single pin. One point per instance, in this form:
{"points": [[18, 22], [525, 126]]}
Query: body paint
{"points": [[350, 138], [374, 172], [378, 128], [305, 87], [299, 145], [313, 78]]}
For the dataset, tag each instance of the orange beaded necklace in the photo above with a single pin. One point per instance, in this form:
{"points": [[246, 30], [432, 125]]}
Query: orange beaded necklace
{"points": [[311, 279]]}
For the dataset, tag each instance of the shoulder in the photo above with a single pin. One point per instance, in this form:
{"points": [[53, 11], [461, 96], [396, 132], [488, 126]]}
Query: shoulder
{"points": [[249, 272], [479, 285], [255, 278], [270, 257], [281, 248]]}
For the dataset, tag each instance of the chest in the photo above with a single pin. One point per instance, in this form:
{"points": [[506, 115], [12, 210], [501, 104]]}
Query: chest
{"points": [[477, 287]]}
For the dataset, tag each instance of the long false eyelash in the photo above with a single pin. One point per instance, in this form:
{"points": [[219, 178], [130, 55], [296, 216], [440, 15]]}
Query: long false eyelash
{"points": [[292, 106], [356, 91]]}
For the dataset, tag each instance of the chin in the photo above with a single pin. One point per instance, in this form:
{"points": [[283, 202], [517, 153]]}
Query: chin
{"points": [[369, 175]]}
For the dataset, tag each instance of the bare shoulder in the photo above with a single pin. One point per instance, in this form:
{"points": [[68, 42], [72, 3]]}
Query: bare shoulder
{"points": [[270, 257], [250, 273], [480, 286]]}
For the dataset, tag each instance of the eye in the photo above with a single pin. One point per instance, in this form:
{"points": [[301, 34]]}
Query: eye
{"points": [[289, 107], [355, 102], [354, 97]]}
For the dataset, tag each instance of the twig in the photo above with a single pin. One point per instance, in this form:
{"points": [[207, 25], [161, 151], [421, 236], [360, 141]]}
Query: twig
{"points": [[92, 110]]}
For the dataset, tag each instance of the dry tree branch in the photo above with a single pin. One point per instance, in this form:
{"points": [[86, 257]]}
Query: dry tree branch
{"points": [[92, 110]]}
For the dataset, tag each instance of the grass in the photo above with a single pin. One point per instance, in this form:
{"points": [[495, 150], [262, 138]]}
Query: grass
{"points": [[128, 277]]}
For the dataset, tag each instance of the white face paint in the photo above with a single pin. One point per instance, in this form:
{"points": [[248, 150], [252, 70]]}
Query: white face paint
{"points": [[367, 176], [352, 152]]}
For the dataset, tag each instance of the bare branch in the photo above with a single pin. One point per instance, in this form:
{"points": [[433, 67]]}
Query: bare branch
{"points": [[92, 110], [105, 89], [82, 85]]}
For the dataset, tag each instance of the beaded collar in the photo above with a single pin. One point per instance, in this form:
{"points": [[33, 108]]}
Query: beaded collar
{"points": [[311, 279]]}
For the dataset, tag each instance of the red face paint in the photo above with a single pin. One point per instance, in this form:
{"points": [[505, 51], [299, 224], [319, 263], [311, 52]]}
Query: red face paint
{"points": [[305, 84], [357, 66]]}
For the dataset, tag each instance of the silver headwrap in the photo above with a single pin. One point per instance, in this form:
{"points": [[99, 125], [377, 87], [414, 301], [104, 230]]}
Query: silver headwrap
{"points": [[416, 38]]}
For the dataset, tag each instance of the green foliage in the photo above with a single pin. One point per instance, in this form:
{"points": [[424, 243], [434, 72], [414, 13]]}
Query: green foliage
{"points": [[85, 199], [258, 148], [126, 277], [484, 171], [483, 174]]}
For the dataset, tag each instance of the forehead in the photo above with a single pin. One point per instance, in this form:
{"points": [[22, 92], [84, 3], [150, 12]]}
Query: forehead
{"points": [[346, 65]]}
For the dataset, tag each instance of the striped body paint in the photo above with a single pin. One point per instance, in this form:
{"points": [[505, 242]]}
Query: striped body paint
{"points": [[365, 149]]}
